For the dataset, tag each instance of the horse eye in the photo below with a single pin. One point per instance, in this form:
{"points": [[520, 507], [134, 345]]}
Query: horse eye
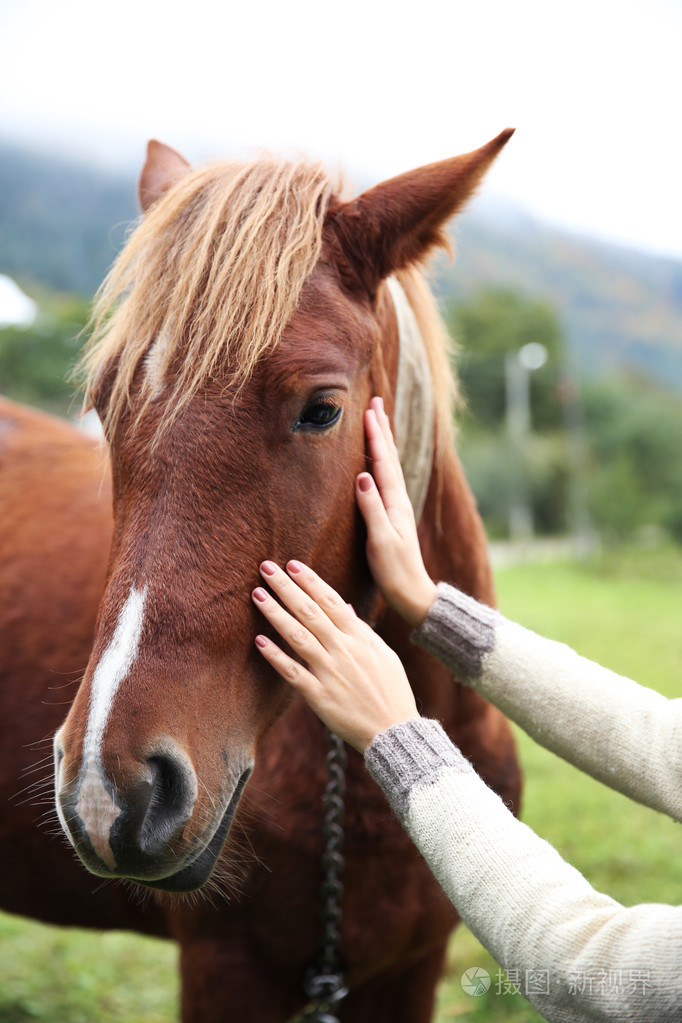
{"points": [[318, 415]]}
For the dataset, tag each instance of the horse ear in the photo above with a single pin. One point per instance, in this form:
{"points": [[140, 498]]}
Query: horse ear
{"points": [[398, 221], [163, 168]]}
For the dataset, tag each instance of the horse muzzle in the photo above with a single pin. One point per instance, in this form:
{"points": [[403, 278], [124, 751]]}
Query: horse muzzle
{"points": [[140, 826]]}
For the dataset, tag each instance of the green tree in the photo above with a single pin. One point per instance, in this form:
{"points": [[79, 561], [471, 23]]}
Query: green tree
{"points": [[35, 361], [634, 428], [488, 327]]}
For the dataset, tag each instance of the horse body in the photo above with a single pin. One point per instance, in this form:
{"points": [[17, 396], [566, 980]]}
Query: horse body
{"points": [[176, 711]]}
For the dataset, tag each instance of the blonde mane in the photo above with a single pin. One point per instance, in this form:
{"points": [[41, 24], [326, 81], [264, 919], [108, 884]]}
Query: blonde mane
{"points": [[215, 271]]}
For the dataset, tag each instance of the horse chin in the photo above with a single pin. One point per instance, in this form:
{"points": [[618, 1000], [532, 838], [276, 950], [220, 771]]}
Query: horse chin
{"points": [[197, 873]]}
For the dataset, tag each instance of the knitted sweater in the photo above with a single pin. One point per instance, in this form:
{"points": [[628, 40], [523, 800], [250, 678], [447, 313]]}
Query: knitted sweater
{"points": [[576, 954]]}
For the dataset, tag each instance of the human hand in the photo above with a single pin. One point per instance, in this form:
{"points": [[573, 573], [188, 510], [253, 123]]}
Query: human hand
{"points": [[354, 682], [393, 550]]}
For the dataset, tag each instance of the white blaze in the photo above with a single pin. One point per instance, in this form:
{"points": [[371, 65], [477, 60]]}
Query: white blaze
{"points": [[114, 665], [95, 807]]}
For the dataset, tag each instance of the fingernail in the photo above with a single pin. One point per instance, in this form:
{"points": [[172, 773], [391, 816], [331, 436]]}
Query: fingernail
{"points": [[365, 482], [261, 641], [260, 594], [381, 403], [268, 567], [294, 566]]}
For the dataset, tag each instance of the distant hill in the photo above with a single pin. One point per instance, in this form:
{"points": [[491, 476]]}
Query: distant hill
{"points": [[61, 225], [620, 308]]}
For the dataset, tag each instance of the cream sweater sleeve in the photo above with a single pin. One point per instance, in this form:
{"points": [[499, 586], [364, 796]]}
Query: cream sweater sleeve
{"points": [[579, 955], [621, 733]]}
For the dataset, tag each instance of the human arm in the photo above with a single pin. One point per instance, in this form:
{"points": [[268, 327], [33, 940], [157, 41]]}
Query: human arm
{"points": [[575, 953], [532, 910], [626, 735]]}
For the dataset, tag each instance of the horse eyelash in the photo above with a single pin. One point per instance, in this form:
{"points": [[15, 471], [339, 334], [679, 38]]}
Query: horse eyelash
{"points": [[330, 401]]}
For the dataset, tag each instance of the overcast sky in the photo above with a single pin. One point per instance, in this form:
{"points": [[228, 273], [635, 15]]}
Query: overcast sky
{"points": [[592, 86]]}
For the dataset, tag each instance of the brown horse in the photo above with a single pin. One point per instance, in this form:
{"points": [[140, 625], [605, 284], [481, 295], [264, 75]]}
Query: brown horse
{"points": [[237, 343]]}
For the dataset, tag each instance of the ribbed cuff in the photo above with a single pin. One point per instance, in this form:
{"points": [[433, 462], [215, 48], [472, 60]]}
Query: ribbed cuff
{"points": [[458, 631], [411, 752]]}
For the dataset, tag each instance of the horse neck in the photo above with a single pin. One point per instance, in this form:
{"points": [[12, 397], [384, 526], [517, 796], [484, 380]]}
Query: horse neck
{"points": [[451, 535]]}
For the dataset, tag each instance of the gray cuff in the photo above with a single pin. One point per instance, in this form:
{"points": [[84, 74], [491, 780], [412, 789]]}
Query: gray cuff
{"points": [[411, 752], [458, 631]]}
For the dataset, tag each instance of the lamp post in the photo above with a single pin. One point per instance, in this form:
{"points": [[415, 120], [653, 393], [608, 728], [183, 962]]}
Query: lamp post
{"points": [[518, 367]]}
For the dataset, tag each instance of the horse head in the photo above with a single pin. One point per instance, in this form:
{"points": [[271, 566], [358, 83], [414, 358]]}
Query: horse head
{"points": [[239, 338]]}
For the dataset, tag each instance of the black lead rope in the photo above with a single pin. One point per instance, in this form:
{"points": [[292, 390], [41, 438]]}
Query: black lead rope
{"points": [[323, 982]]}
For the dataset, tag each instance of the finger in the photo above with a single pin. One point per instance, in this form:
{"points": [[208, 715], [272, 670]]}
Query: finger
{"points": [[386, 468], [378, 430], [384, 423], [292, 631], [304, 607], [381, 443], [371, 505], [291, 671], [337, 611]]}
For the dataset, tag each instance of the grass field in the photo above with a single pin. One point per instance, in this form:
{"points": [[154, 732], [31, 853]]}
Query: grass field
{"points": [[624, 612]]}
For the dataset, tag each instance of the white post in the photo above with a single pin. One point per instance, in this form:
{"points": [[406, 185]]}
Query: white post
{"points": [[518, 367]]}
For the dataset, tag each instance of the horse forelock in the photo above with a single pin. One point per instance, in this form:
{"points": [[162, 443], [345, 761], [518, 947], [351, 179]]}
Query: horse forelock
{"points": [[207, 281]]}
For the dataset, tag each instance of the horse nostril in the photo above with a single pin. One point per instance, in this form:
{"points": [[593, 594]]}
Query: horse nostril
{"points": [[172, 792]]}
